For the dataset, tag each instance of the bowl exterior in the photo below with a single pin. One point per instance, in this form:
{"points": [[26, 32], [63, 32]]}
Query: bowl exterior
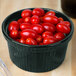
{"points": [[47, 60]]}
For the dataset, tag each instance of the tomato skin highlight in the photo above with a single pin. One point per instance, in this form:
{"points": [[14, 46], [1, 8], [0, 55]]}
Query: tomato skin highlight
{"points": [[49, 40], [38, 28], [26, 13], [27, 19], [31, 41], [47, 34], [51, 13], [24, 26], [63, 28], [59, 36], [38, 12], [35, 19], [49, 27], [67, 23], [28, 33], [50, 19], [14, 34], [39, 38], [22, 40], [13, 26]]}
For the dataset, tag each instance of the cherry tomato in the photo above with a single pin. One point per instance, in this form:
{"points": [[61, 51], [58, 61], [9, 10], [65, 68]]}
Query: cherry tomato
{"points": [[27, 19], [59, 36], [19, 34], [63, 28], [67, 23], [24, 26], [42, 12], [35, 19], [41, 44], [35, 27], [41, 23], [39, 38], [38, 28], [41, 19], [20, 20], [60, 19], [49, 27], [22, 40], [31, 41], [13, 26], [28, 33], [50, 13], [26, 13], [16, 40], [47, 34], [50, 19], [14, 34], [38, 12], [49, 40]]}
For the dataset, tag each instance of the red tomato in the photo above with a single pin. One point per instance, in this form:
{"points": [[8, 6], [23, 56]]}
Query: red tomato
{"points": [[35, 19], [63, 28], [41, 44], [47, 34], [27, 19], [50, 19], [16, 40], [41, 19], [51, 13], [39, 39], [20, 20], [38, 28], [42, 12], [28, 33], [22, 40], [14, 34], [38, 12], [24, 26], [13, 26], [26, 13], [59, 36], [19, 34], [49, 27], [67, 23], [49, 40], [60, 19], [31, 41]]}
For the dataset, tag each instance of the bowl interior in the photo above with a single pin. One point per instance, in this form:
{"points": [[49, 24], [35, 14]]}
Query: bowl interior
{"points": [[16, 15]]}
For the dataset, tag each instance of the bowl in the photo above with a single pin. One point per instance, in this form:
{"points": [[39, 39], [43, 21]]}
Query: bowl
{"points": [[36, 58]]}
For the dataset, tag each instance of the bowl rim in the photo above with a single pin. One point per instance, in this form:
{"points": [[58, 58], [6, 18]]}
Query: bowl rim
{"points": [[51, 45]]}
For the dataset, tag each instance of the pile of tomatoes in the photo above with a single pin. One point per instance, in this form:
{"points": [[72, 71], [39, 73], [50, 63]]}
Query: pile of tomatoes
{"points": [[37, 27]]}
